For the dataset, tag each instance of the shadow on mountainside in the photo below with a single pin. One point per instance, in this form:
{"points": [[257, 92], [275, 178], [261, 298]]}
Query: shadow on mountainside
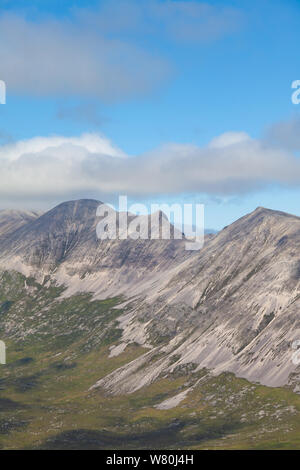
{"points": [[165, 438]]}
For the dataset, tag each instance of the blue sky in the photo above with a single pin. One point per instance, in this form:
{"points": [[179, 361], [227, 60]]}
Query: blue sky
{"points": [[146, 75]]}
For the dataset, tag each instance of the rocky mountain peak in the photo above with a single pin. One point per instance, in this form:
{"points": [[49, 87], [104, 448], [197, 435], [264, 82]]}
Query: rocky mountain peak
{"points": [[11, 220], [226, 307]]}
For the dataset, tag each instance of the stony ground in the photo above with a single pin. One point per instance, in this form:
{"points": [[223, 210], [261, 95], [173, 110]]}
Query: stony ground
{"points": [[58, 348]]}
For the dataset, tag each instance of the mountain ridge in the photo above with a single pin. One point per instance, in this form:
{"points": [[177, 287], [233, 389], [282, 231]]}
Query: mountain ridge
{"points": [[232, 306]]}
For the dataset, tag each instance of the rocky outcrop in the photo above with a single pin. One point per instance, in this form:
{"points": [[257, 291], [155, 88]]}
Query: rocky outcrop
{"points": [[232, 306]]}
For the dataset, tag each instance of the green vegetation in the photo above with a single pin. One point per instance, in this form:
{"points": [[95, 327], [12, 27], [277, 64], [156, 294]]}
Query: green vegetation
{"points": [[58, 347]]}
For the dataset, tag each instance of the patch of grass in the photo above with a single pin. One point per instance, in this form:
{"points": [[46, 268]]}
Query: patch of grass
{"points": [[58, 348]]}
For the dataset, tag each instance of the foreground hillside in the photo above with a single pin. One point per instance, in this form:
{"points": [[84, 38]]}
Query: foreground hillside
{"points": [[59, 348], [141, 344]]}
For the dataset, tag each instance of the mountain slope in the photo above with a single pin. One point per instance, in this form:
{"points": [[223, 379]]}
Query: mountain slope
{"points": [[149, 365], [11, 220], [63, 243], [58, 347], [232, 306], [235, 306]]}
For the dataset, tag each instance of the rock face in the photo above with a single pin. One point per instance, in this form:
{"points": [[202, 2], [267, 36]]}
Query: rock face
{"points": [[11, 220], [63, 243], [232, 306]]}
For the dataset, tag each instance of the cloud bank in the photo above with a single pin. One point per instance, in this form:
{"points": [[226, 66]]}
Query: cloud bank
{"points": [[66, 167], [98, 53], [51, 58]]}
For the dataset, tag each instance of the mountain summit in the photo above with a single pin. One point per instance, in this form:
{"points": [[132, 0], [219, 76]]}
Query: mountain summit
{"points": [[232, 306], [64, 241]]}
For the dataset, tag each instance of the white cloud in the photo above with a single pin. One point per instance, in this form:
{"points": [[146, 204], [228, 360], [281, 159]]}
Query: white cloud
{"points": [[66, 167], [56, 145], [103, 51], [49, 167], [53, 57], [229, 138]]}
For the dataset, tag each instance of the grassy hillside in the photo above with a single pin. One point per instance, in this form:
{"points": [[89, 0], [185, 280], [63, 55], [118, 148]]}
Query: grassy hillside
{"points": [[58, 348]]}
